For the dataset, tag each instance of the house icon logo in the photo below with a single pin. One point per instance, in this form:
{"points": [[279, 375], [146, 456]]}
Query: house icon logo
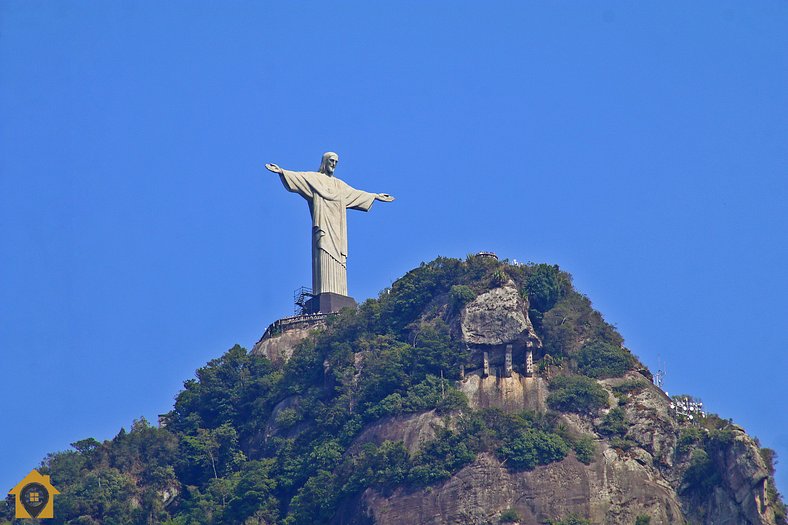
{"points": [[34, 496]]}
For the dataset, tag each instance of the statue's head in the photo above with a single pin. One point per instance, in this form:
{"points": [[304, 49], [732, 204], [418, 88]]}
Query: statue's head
{"points": [[329, 163]]}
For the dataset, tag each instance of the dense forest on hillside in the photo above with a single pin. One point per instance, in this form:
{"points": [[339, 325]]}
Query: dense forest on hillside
{"points": [[254, 443]]}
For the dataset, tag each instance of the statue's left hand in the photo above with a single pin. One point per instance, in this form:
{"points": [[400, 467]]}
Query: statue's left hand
{"points": [[385, 197]]}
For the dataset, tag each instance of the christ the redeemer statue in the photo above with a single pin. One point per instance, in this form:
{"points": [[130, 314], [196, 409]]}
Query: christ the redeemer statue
{"points": [[328, 198]]}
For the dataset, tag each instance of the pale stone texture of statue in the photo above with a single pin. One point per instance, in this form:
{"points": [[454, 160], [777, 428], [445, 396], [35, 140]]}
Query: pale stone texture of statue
{"points": [[328, 198]]}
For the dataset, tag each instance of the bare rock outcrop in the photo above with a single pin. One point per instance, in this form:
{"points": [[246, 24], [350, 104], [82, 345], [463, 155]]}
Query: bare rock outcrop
{"points": [[651, 425], [279, 347], [496, 317], [510, 394], [411, 429], [612, 490]]}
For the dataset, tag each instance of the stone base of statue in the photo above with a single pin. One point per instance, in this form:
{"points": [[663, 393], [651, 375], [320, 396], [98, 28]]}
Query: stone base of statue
{"points": [[328, 303]]}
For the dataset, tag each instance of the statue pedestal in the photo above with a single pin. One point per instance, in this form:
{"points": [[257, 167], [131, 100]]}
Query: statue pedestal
{"points": [[329, 302]]}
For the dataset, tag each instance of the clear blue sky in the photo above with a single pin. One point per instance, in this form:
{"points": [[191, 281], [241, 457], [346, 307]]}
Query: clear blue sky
{"points": [[642, 146]]}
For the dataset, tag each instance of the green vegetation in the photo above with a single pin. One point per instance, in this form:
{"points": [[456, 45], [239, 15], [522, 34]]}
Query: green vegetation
{"points": [[780, 511], [584, 449], [250, 442], [601, 359], [585, 396], [622, 443], [545, 286], [534, 448], [688, 438], [576, 394], [459, 296], [571, 322], [630, 386], [614, 423], [498, 278], [702, 476], [509, 516], [101, 478], [439, 458], [643, 519], [524, 440], [411, 294]]}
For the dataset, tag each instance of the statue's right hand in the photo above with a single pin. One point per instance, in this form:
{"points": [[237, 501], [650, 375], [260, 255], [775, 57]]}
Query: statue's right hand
{"points": [[274, 168]]}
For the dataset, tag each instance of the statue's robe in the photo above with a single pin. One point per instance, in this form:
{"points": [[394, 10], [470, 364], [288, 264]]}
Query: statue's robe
{"points": [[328, 198]]}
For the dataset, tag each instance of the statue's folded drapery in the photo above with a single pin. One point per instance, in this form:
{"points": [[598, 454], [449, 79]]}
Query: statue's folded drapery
{"points": [[328, 198]]}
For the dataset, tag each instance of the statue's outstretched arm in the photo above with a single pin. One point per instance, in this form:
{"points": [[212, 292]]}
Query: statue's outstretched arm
{"points": [[274, 168], [385, 197], [294, 181]]}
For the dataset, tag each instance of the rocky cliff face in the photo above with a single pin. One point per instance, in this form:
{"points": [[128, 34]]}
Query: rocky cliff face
{"points": [[615, 488], [639, 476]]}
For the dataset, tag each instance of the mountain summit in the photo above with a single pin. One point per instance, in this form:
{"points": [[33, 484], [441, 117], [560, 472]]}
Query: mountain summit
{"points": [[470, 392]]}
